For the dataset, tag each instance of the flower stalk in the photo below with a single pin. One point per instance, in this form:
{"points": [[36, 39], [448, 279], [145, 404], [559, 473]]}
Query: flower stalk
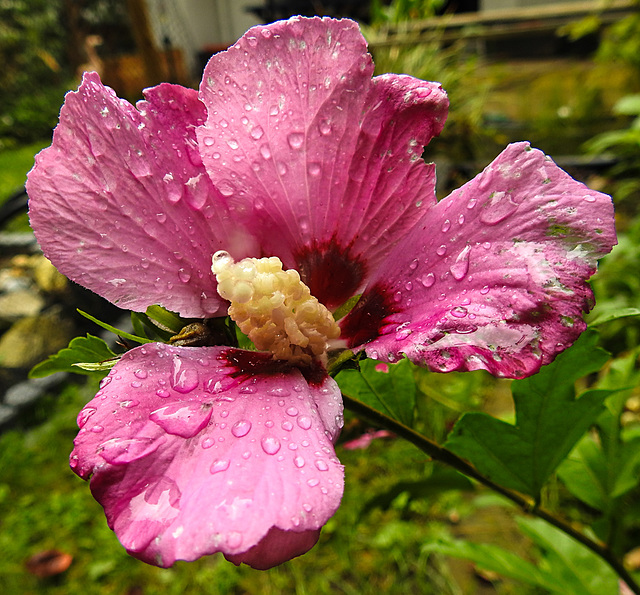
{"points": [[527, 505]]}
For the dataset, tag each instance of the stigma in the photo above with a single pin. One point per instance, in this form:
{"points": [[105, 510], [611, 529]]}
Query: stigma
{"points": [[274, 308]]}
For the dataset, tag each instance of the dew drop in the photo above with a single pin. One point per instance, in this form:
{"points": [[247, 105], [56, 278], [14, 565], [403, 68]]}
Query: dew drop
{"points": [[304, 422], [295, 140], [270, 445], [180, 419], [184, 275], [314, 168], [485, 290], [472, 203], [162, 393], [312, 483], [287, 425], [446, 226], [298, 462], [241, 428], [459, 312], [428, 280], [589, 198], [279, 392], [497, 208], [219, 465], [183, 380], [233, 143], [460, 267], [324, 126], [321, 465], [97, 429], [209, 141], [441, 250], [84, 416], [257, 132], [207, 443], [292, 411]]}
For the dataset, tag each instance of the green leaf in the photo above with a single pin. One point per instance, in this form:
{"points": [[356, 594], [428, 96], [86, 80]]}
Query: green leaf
{"points": [[495, 559], [608, 316], [167, 319], [584, 473], [113, 329], [143, 326], [442, 479], [388, 388], [549, 421], [566, 565], [83, 350], [576, 569]]}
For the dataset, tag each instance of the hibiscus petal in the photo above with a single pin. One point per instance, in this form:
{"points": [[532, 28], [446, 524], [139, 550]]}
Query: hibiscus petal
{"points": [[495, 275], [127, 189], [301, 140], [193, 451]]}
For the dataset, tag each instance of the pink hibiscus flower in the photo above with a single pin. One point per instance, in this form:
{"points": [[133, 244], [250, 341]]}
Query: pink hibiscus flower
{"points": [[290, 149]]}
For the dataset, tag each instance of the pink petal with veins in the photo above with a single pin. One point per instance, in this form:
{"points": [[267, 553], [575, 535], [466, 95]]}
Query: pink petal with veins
{"points": [[494, 277], [193, 451], [121, 202], [321, 162]]}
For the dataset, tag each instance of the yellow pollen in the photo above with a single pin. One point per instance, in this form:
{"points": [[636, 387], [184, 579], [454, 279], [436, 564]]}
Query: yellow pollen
{"points": [[274, 308]]}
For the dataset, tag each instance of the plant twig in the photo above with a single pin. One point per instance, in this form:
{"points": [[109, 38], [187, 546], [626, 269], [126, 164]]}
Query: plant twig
{"points": [[527, 504]]}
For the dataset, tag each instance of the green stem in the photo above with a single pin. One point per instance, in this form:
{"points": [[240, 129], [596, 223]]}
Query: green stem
{"points": [[527, 504]]}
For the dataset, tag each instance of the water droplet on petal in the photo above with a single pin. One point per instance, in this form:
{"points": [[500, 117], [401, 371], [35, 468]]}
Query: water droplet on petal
{"points": [[304, 422], [84, 416], [241, 428], [298, 462], [295, 140], [208, 443], [324, 126], [292, 411], [428, 280], [313, 482], [162, 393], [257, 132], [182, 419], [485, 290], [270, 445], [118, 451], [97, 429], [446, 226], [183, 379], [287, 425], [219, 465], [184, 275], [460, 267], [314, 169], [499, 206], [459, 312]]}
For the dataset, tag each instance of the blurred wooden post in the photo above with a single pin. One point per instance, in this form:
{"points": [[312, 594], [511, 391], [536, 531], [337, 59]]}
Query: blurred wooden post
{"points": [[144, 40]]}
